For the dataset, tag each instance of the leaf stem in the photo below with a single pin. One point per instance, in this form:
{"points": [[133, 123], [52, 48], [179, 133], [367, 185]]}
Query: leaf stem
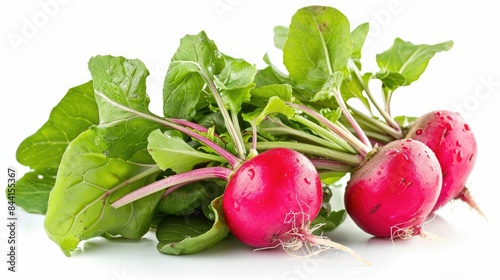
{"points": [[347, 158], [191, 176], [231, 124], [359, 146], [385, 114], [332, 165], [231, 159], [362, 136], [379, 125], [282, 129]]}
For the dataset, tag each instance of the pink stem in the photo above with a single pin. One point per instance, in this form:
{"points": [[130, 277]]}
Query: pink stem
{"points": [[174, 180]]}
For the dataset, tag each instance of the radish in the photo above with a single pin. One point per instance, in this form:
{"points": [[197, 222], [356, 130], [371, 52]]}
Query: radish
{"points": [[272, 199], [392, 194], [254, 212], [452, 140]]}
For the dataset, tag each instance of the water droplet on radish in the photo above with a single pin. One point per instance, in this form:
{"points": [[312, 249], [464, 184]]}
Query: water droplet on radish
{"points": [[449, 117], [390, 152], [236, 206], [419, 131], [458, 143], [438, 113], [379, 173], [448, 126], [460, 156], [251, 173], [307, 180], [466, 126]]}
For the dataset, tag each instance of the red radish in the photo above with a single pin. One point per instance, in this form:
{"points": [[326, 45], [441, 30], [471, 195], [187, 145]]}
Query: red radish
{"points": [[394, 191], [266, 190], [271, 200], [453, 142]]}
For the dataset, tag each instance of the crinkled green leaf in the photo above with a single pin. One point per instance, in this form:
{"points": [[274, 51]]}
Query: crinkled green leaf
{"points": [[87, 183], [170, 151], [120, 88], [75, 113], [196, 57], [318, 44], [193, 233], [235, 82]]}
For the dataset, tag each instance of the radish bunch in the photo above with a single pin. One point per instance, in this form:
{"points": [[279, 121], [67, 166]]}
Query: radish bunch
{"points": [[270, 140]]}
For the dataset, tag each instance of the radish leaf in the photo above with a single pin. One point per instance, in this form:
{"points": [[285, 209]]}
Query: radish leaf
{"points": [[318, 44], [170, 151], [87, 183], [196, 58], [408, 61], [32, 190], [75, 113], [191, 234], [120, 88]]}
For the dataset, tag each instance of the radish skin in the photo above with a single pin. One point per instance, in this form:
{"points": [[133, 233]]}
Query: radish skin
{"points": [[448, 135], [394, 190]]}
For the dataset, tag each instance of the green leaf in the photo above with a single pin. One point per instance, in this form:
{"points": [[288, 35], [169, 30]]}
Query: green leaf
{"points": [[408, 60], [120, 88], [32, 190], [235, 82], [358, 36], [75, 113], [328, 220], [191, 234], [275, 105], [184, 200], [405, 121], [280, 33], [318, 44], [352, 88], [87, 183], [261, 95], [170, 151], [331, 84], [43, 150], [197, 57]]}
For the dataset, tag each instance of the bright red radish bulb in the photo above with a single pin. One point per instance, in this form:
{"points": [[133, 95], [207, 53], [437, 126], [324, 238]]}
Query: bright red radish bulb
{"points": [[271, 200], [448, 135], [394, 191], [265, 190]]}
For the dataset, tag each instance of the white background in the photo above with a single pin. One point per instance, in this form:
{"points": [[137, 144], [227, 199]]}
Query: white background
{"points": [[45, 46]]}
